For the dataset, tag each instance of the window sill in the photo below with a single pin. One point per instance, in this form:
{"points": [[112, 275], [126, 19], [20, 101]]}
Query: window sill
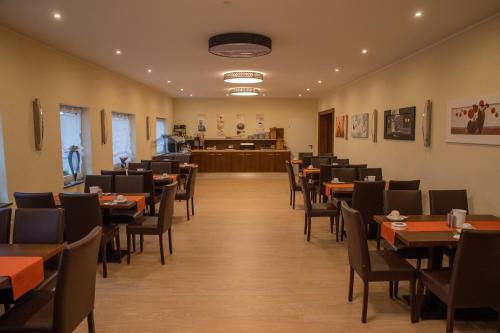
{"points": [[74, 183]]}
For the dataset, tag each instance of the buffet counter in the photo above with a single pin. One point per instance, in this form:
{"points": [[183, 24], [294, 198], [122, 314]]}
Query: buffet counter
{"points": [[237, 160]]}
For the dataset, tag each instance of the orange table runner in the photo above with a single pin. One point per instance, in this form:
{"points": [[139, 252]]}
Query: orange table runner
{"points": [[296, 162], [333, 186], [389, 234], [171, 176], [307, 171], [140, 201], [25, 273]]}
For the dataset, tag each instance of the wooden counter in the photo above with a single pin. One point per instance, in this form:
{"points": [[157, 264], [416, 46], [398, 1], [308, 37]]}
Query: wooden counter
{"points": [[234, 160]]}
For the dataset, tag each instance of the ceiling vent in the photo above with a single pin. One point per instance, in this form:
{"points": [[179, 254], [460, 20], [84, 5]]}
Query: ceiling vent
{"points": [[240, 45]]}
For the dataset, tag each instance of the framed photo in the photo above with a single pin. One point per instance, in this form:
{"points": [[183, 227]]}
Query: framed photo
{"points": [[400, 124], [474, 120], [359, 127], [340, 126]]}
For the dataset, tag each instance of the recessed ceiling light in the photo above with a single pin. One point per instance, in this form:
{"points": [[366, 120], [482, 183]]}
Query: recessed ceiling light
{"points": [[263, 95], [300, 95], [244, 91], [57, 15], [149, 70], [182, 89], [190, 95], [320, 82], [169, 81], [227, 94], [243, 77], [308, 89], [418, 14], [118, 51], [364, 51], [337, 70]]}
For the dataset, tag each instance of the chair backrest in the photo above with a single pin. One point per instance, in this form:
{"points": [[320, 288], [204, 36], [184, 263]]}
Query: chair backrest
{"points": [[75, 287], [407, 202], [441, 202], [166, 213], [113, 173], [301, 155], [368, 199], [357, 245], [330, 155], [81, 214], [174, 164], [5, 215], [38, 226], [104, 182], [191, 182], [135, 166], [291, 175], [129, 184], [306, 193], [475, 279], [325, 175], [365, 172], [149, 183], [340, 161], [161, 167], [344, 174], [306, 161], [404, 184], [147, 163], [34, 200]]}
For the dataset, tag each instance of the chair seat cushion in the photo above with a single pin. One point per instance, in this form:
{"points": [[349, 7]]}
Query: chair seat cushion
{"points": [[438, 281], [388, 266], [323, 209], [33, 313], [144, 225]]}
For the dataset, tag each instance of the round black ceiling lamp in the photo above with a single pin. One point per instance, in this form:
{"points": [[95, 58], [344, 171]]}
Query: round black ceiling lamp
{"points": [[240, 45]]}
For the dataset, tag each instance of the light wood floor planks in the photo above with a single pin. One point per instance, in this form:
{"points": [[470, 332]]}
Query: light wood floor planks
{"points": [[242, 264]]}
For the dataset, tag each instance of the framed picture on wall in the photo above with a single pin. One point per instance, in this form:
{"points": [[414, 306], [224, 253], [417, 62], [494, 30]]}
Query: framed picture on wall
{"points": [[340, 126], [400, 124], [359, 126], [475, 120]]}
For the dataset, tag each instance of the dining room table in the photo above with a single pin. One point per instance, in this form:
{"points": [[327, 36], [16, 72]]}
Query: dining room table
{"points": [[21, 260], [434, 233], [161, 179]]}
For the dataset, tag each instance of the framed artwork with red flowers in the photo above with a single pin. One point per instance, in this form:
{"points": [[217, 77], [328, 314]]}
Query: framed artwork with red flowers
{"points": [[476, 120]]}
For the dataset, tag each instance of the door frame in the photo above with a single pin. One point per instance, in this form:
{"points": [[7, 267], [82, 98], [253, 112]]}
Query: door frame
{"points": [[322, 113]]}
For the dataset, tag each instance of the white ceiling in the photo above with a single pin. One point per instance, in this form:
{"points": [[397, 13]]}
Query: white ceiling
{"points": [[310, 37]]}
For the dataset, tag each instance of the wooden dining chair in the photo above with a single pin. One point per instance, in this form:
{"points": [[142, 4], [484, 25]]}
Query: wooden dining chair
{"points": [[129, 184], [61, 311], [318, 210], [340, 161], [155, 225], [5, 216], [162, 167], [325, 175], [404, 184], [441, 202], [347, 175], [474, 280], [82, 212], [292, 182], [188, 193], [113, 173], [368, 200], [34, 200], [372, 266], [105, 182], [365, 172], [135, 166], [149, 187]]}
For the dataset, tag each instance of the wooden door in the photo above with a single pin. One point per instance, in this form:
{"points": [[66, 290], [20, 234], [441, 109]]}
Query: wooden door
{"points": [[223, 162], [325, 131], [238, 162]]}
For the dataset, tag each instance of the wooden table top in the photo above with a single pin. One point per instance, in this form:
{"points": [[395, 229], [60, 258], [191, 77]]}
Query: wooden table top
{"points": [[431, 238], [105, 203], [46, 251], [307, 171]]}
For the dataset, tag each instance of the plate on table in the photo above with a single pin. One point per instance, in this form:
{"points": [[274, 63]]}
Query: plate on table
{"points": [[336, 182], [397, 218], [120, 201], [398, 225]]}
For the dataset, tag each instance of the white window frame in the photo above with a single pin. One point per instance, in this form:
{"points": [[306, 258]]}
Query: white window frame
{"points": [[68, 179], [117, 127], [161, 144]]}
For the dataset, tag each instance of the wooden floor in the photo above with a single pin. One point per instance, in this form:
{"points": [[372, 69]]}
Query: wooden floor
{"points": [[242, 264]]}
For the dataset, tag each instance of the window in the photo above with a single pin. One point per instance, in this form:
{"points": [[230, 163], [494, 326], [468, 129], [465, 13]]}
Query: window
{"points": [[73, 152], [123, 137], [161, 130], [3, 178]]}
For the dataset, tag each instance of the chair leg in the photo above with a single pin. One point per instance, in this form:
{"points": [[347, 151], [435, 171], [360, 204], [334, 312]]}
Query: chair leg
{"points": [[118, 247], [419, 263], [161, 250], [170, 248], [396, 289], [365, 302], [291, 197], [133, 242], [141, 242], [187, 208], [337, 228], [308, 227], [450, 319], [293, 201], [412, 300], [305, 224], [419, 300], [90, 322], [331, 224], [391, 289], [341, 227], [104, 261], [128, 248], [192, 206], [378, 237], [351, 283]]}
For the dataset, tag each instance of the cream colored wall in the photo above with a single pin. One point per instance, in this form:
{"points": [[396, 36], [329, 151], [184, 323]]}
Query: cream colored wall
{"points": [[28, 70], [277, 113], [464, 66]]}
